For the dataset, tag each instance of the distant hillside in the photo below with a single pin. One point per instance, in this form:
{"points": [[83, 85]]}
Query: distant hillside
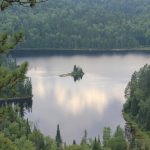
{"points": [[96, 24]]}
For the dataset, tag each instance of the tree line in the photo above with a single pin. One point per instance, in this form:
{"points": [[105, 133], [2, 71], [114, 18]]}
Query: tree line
{"points": [[17, 133], [81, 24]]}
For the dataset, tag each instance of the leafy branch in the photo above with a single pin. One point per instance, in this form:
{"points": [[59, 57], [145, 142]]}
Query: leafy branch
{"points": [[9, 42]]}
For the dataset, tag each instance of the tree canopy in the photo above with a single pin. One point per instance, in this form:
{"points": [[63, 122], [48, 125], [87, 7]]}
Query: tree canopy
{"points": [[138, 97], [137, 108], [81, 24]]}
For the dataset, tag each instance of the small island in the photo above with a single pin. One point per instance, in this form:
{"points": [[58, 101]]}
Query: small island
{"points": [[77, 73]]}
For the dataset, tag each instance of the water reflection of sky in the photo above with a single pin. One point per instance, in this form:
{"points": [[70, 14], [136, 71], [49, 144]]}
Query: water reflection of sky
{"points": [[92, 103]]}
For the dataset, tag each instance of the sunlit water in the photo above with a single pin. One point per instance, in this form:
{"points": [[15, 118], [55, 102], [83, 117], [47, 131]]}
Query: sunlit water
{"points": [[92, 103]]}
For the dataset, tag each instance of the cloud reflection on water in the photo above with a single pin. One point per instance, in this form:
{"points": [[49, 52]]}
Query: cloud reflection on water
{"points": [[75, 100], [40, 88], [80, 100], [94, 102]]}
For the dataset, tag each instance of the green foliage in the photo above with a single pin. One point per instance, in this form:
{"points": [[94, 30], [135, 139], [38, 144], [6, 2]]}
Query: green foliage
{"points": [[9, 42], [78, 147], [139, 136], [49, 144], [58, 137], [137, 106], [82, 24], [6, 144], [37, 138], [138, 99], [106, 136], [77, 71], [118, 142], [96, 145], [16, 133], [13, 82], [24, 144]]}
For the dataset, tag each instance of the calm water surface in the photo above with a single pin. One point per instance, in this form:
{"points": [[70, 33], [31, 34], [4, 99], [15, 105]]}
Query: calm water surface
{"points": [[91, 103]]}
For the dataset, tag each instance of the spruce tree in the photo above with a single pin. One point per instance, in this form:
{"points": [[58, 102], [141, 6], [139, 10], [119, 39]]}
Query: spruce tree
{"points": [[58, 137]]}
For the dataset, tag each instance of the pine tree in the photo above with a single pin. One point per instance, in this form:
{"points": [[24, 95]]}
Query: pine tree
{"points": [[58, 137], [9, 79]]}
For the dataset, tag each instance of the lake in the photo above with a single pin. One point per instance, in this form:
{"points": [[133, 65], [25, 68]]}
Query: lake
{"points": [[92, 103]]}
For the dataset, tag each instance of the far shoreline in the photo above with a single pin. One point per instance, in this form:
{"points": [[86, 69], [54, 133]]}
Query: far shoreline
{"points": [[28, 52]]}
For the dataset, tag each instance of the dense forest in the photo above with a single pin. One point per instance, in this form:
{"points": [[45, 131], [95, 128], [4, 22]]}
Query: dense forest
{"points": [[81, 24], [17, 133], [72, 24], [137, 106], [138, 97]]}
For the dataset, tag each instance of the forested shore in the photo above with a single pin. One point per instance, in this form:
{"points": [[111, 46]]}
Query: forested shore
{"points": [[136, 109], [52, 52], [81, 24]]}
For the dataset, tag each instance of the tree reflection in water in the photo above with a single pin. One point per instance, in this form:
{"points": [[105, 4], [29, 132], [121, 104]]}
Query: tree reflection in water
{"points": [[77, 78], [77, 73], [25, 105]]}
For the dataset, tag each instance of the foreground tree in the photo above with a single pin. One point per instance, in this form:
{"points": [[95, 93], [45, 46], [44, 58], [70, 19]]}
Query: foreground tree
{"points": [[8, 42], [11, 78]]}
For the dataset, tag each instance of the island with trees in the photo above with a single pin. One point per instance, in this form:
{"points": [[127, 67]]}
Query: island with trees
{"points": [[77, 73]]}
